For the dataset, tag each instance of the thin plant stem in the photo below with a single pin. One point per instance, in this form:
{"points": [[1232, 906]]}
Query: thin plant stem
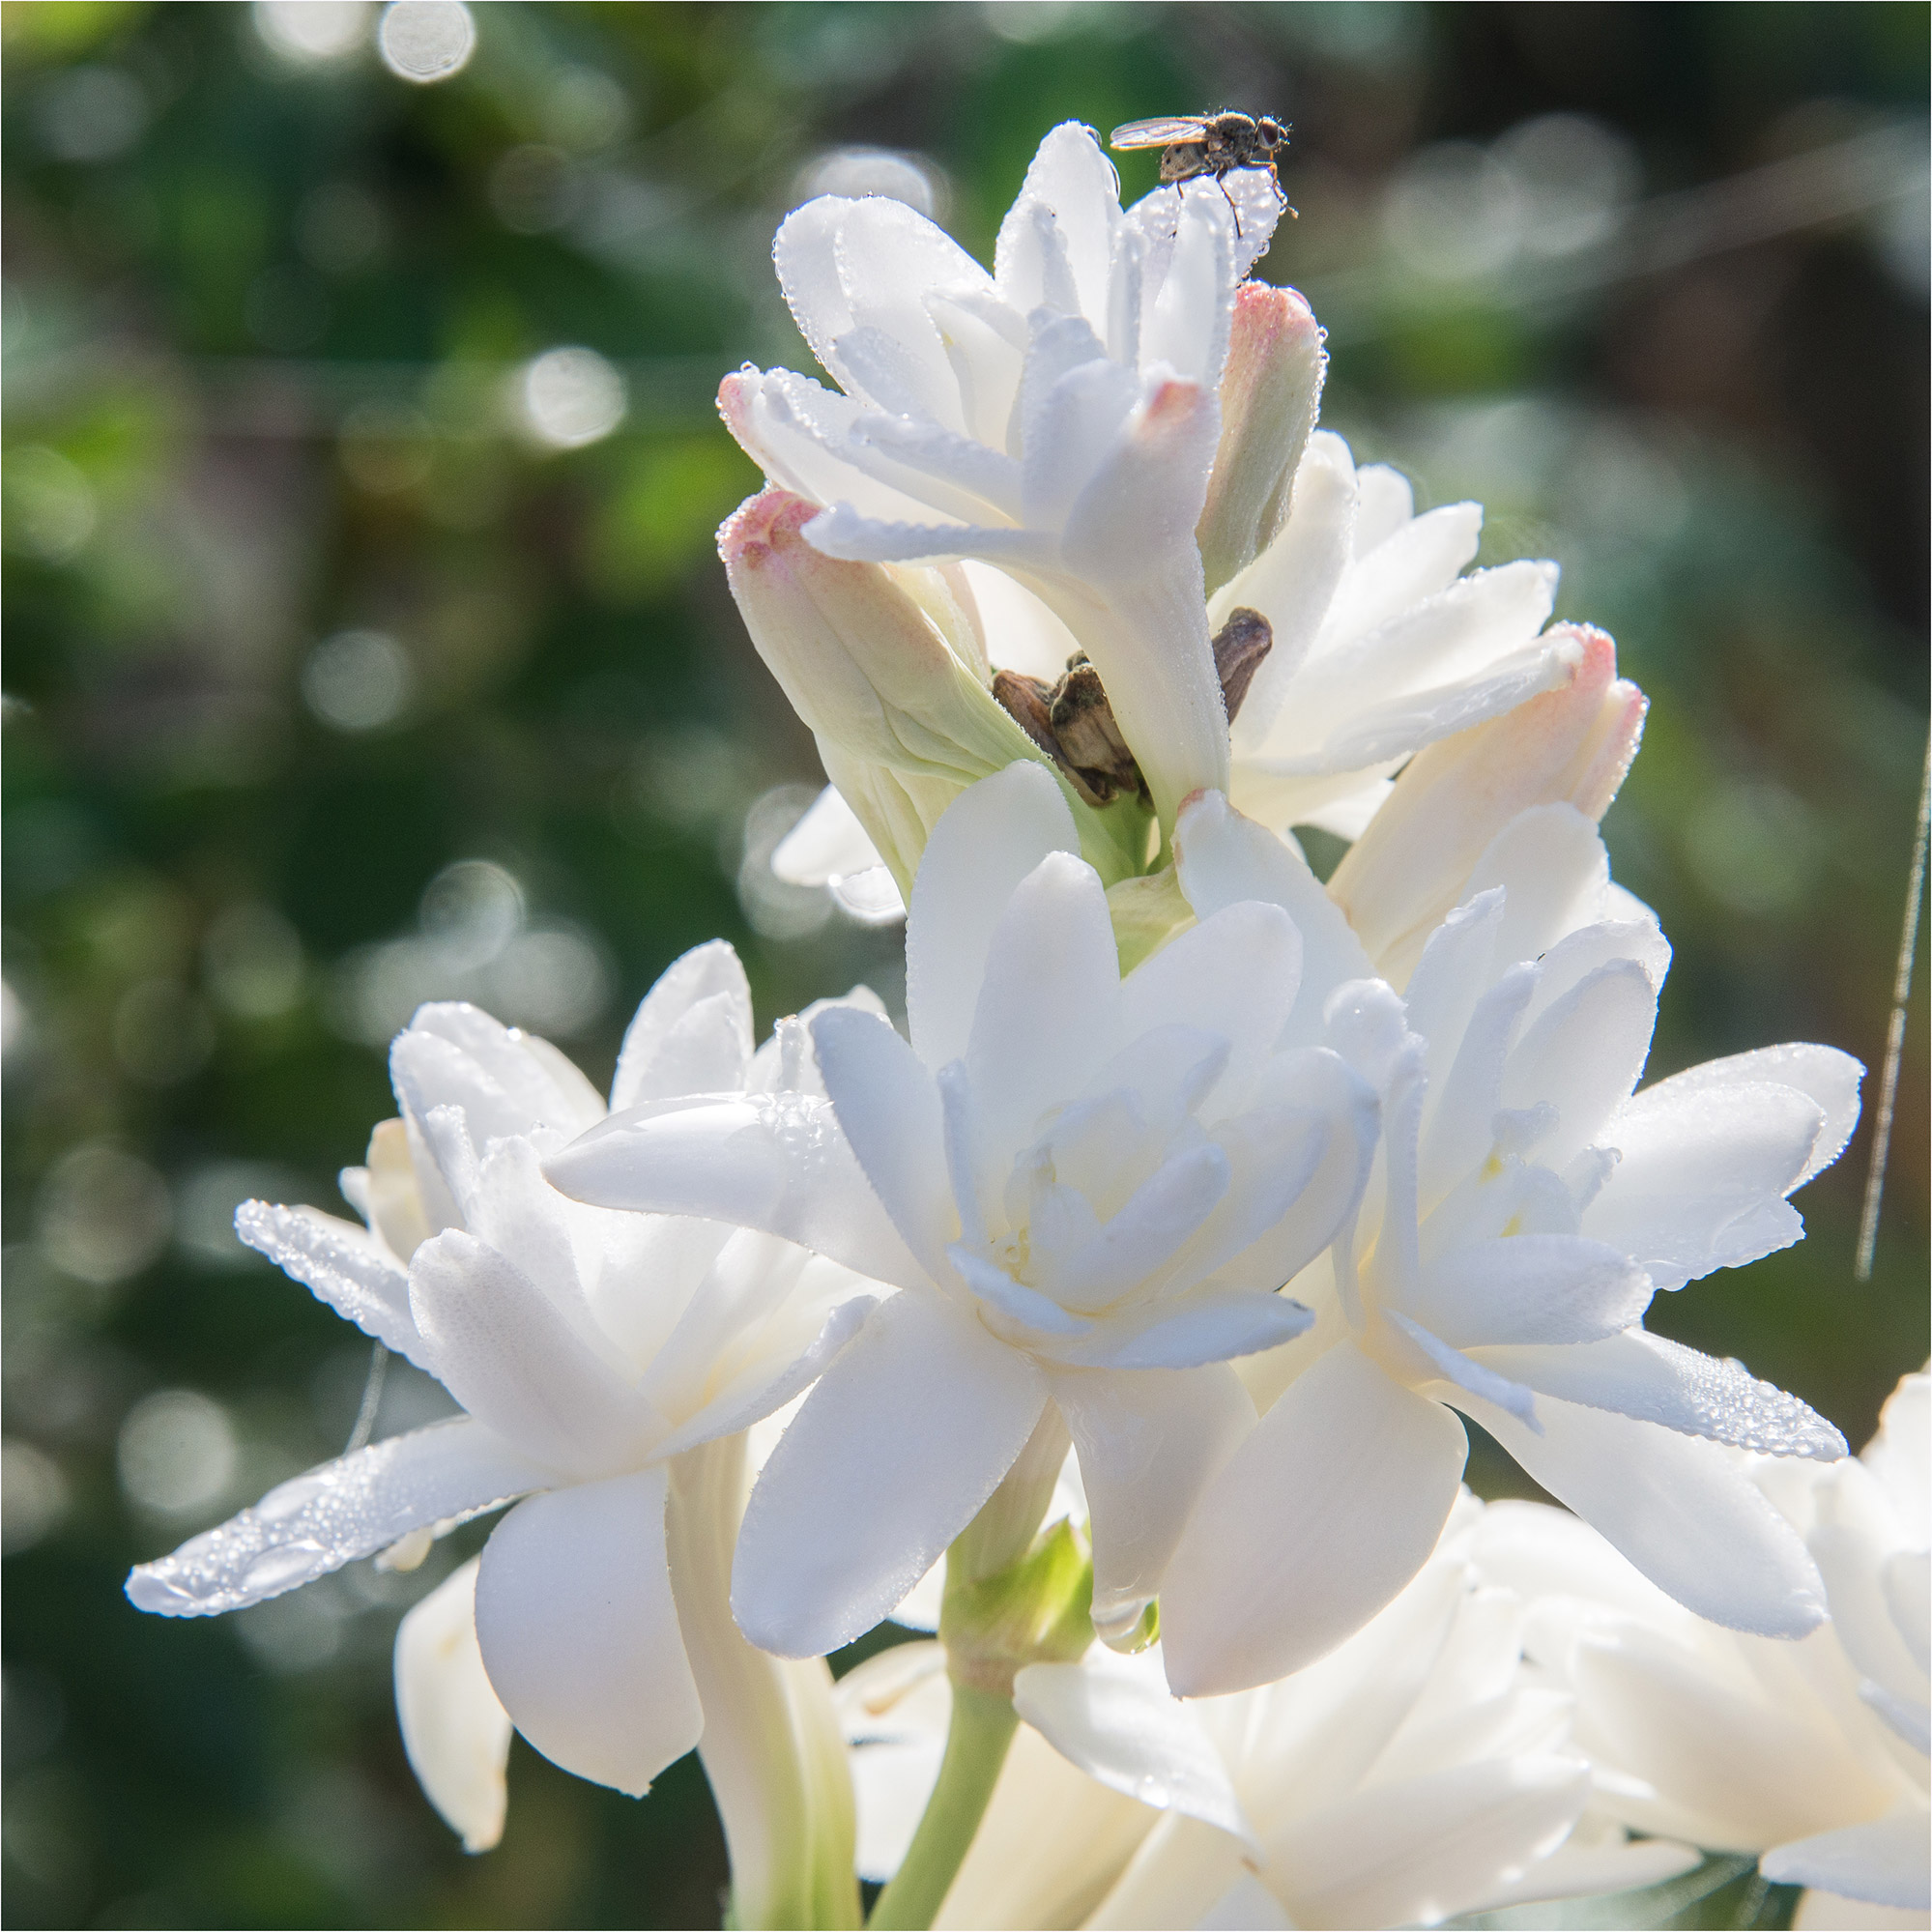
{"points": [[977, 1739], [1894, 1041]]}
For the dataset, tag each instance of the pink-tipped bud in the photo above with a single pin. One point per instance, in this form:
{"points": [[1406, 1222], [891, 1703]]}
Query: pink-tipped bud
{"points": [[1269, 392], [902, 722], [1572, 746]]}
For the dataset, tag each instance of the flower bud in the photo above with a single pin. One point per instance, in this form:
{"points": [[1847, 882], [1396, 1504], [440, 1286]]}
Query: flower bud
{"points": [[902, 723], [1570, 745], [1270, 390]]}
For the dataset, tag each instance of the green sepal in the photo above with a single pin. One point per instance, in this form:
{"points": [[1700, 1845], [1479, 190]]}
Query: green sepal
{"points": [[1039, 1609]]}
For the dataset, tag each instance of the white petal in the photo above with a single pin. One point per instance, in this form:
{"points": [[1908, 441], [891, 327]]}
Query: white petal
{"points": [[1072, 428], [848, 531], [903, 1439], [505, 1080], [1531, 1287], [827, 843], [1139, 1243], [1021, 632], [987, 839], [1417, 557], [352, 1507], [1823, 1073], [1043, 1317], [1235, 974], [1581, 1869], [511, 1359], [774, 1161], [455, 1731], [1900, 1454], [1292, 582], [1114, 1718], [1045, 1015], [766, 1384], [1661, 1381], [1184, 1872], [706, 972], [871, 897], [1703, 1169], [1074, 179], [1417, 659], [888, 1106], [1906, 1578], [1132, 530], [580, 1635], [1583, 1056], [1884, 1862], [1387, 503], [1467, 1372], [1298, 1163], [345, 1266], [1677, 1507], [1882, 1629], [1146, 1440], [1211, 1323], [1375, 736], [851, 264], [1223, 857], [1187, 329], [1317, 1520], [1425, 1849], [1695, 1741], [1246, 1906], [1555, 872]]}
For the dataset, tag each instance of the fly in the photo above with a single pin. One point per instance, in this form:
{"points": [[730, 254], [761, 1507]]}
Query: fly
{"points": [[1210, 144]]}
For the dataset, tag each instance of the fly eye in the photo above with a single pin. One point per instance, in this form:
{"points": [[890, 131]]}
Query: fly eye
{"points": [[1272, 132]]}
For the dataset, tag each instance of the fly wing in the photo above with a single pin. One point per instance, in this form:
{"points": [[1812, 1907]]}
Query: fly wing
{"points": [[1157, 133]]}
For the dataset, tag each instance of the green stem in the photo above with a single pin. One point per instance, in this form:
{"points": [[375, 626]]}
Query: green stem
{"points": [[982, 1729]]}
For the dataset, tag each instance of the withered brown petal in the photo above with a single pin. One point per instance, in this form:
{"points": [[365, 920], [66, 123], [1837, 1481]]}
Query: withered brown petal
{"points": [[1239, 647]]}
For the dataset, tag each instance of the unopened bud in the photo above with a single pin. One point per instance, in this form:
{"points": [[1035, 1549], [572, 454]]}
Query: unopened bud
{"points": [[1269, 392], [867, 671], [1571, 745]]}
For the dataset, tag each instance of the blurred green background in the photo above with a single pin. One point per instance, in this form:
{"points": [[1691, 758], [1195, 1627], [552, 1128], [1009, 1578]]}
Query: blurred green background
{"points": [[364, 648]]}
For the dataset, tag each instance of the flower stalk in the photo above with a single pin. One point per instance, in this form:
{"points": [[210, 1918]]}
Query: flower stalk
{"points": [[1033, 1609], [770, 1747]]}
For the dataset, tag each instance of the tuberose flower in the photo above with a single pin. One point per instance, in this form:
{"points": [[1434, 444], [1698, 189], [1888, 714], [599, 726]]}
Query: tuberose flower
{"points": [[1381, 646], [1091, 1186], [1813, 1754], [608, 1363], [1418, 1770], [1525, 1205], [1056, 418]]}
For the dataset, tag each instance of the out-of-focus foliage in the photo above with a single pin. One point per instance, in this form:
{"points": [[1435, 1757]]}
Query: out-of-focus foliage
{"points": [[365, 643]]}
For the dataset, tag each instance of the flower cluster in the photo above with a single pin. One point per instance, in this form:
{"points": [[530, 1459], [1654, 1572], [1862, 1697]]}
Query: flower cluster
{"points": [[1118, 1315]]}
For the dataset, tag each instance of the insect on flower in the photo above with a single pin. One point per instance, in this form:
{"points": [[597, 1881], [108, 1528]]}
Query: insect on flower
{"points": [[1210, 144]]}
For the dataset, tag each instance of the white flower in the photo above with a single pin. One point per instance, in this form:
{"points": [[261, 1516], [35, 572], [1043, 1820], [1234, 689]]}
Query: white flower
{"points": [[1056, 418], [591, 1352], [1812, 1754], [1417, 1772], [1380, 645], [1524, 1207], [1095, 1184]]}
